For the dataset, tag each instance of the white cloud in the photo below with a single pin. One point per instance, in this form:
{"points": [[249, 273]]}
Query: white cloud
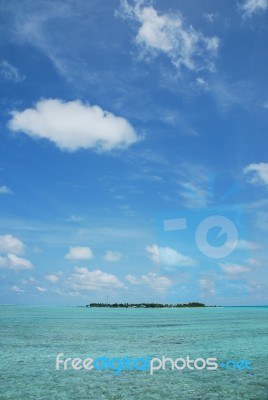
{"points": [[52, 278], [41, 289], [246, 244], [95, 280], [254, 263], [74, 218], [73, 125], [37, 250], [234, 269], [250, 7], [30, 281], [16, 289], [113, 233], [169, 257], [201, 82], [11, 261], [258, 173], [243, 244], [262, 220], [10, 244], [10, 73], [5, 190], [207, 284], [47, 28], [194, 195], [258, 288], [112, 256], [79, 253], [210, 17], [196, 185], [230, 93], [153, 280], [168, 34]]}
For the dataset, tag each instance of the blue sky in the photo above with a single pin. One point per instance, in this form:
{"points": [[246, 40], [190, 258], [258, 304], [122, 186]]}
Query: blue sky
{"points": [[120, 120]]}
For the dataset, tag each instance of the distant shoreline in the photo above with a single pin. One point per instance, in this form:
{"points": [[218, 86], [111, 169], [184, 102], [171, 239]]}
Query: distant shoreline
{"points": [[147, 305]]}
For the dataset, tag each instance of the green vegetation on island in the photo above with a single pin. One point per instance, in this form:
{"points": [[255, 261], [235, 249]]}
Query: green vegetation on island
{"points": [[145, 305]]}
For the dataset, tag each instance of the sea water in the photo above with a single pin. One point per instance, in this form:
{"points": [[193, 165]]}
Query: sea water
{"points": [[32, 337]]}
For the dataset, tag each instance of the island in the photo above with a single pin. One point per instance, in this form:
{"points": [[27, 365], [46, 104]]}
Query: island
{"points": [[146, 305]]}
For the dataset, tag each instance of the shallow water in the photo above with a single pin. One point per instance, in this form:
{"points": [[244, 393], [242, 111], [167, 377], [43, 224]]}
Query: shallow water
{"points": [[31, 338]]}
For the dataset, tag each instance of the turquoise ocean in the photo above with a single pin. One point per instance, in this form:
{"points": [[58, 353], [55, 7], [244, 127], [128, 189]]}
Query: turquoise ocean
{"points": [[31, 338]]}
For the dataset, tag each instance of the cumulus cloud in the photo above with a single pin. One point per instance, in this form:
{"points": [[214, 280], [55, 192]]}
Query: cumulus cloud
{"points": [[84, 279], [112, 256], [73, 125], [10, 73], [52, 278], [153, 280], [5, 190], [16, 289], [258, 173], [79, 253], [169, 257], [11, 261], [234, 269], [41, 289], [250, 7], [10, 244], [170, 35]]}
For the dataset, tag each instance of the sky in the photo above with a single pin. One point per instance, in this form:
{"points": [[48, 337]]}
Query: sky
{"points": [[133, 151]]}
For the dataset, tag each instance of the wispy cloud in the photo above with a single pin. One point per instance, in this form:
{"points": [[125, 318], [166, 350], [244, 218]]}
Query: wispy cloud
{"points": [[34, 25], [73, 125], [261, 220], [10, 73], [258, 173], [248, 245], [16, 289], [5, 190], [170, 35], [231, 93], [41, 289], [234, 270], [74, 218], [210, 17], [195, 185], [207, 284], [250, 7]]}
